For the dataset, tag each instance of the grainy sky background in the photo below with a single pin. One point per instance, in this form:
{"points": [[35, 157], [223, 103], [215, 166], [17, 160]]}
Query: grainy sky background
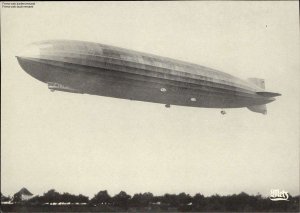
{"points": [[82, 143]]}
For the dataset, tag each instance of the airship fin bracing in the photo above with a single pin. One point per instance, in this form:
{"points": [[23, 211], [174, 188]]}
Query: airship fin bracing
{"points": [[98, 69]]}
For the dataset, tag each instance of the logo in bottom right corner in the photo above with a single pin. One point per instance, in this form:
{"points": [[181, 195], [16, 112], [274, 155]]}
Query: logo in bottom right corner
{"points": [[279, 195]]}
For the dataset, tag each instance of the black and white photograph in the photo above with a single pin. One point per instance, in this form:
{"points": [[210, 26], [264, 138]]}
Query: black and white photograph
{"points": [[167, 106]]}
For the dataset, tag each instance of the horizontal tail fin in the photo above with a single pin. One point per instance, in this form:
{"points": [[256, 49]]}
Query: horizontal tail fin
{"points": [[258, 108], [268, 94]]}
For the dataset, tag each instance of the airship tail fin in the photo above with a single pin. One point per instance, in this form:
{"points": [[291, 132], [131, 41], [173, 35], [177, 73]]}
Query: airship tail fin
{"points": [[268, 94], [258, 82], [258, 108]]}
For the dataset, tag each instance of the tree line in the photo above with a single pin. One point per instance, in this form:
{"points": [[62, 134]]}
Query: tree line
{"points": [[174, 202]]}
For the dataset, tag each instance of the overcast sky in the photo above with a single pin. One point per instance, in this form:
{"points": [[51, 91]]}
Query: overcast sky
{"points": [[82, 144]]}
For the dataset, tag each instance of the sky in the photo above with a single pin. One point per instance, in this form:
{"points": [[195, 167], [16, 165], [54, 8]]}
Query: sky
{"points": [[83, 144]]}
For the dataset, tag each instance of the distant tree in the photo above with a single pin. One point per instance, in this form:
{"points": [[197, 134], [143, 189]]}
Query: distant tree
{"points": [[36, 200], [184, 199], [102, 197], [184, 202], [121, 200], [73, 198], [171, 200], [215, 203], [198, 201], [141, 200], [51, 197], [70, 198], [147, 198], [54, 197], [136, 200], [66, 198], [82, 199], [157, 199], [238, 202]]}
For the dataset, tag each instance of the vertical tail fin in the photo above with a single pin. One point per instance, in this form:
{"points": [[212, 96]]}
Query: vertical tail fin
{"points": [[260, 91], [258, 82]]}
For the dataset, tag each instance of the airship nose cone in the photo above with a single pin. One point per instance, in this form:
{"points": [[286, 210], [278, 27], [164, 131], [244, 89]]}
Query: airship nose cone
{"points": [[30, 51]]}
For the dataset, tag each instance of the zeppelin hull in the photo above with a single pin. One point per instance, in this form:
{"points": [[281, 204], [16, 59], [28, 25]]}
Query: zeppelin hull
{"points": [[85, 67]]}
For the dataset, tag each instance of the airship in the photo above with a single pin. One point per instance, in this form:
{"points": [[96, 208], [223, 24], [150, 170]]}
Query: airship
{"points": [[104, 70]]}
